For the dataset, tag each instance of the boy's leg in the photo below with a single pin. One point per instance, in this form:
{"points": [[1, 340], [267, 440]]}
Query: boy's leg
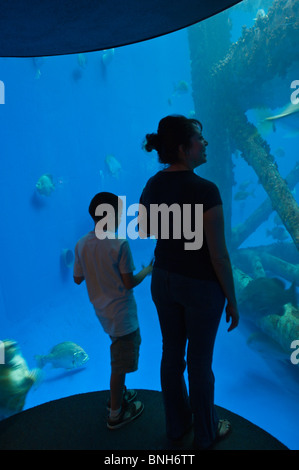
{"points": [[124, 359], [117, 383]]}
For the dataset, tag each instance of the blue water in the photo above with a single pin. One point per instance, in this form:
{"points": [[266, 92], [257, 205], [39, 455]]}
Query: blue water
{"points": [[62, 116]]}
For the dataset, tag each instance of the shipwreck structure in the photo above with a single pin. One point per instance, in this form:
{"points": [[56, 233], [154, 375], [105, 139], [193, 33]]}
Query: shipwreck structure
{"points": [[227, 81]]}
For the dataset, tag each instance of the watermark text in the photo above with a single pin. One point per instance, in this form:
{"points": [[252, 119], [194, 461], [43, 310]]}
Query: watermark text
{"points": [[295, 95], [2, 353], [164, 222], [2, 92], [295, 354]]}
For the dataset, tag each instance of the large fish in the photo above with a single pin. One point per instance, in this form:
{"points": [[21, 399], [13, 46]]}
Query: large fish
{"points": [[266, 346], [266, 296], [66, 355], [286, 111], [15, 380], [287, 116]]}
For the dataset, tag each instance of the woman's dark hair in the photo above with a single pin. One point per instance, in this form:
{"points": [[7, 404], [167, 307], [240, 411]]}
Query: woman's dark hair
{"points": [[173, 131], [103, 198]]}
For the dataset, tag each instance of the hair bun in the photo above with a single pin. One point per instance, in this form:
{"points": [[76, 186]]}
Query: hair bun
{"points": [[151, 142]]}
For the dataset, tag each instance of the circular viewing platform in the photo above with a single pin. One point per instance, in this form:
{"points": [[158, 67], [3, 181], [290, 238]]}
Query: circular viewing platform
{"points": [[78, 422]]}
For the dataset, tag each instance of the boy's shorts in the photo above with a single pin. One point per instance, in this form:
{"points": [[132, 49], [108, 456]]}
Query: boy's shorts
{"points": [[124, 352]]}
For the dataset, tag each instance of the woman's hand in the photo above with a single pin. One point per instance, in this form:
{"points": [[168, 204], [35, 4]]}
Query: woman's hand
{"points": [[233, 315]]}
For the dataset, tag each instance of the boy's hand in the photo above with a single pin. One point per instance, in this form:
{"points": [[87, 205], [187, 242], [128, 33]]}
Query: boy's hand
{"points": [[149, 268]]}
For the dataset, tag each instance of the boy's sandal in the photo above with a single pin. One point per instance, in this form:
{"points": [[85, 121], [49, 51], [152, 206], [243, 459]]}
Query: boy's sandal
{"points": [[128, 412], [129, 396]]}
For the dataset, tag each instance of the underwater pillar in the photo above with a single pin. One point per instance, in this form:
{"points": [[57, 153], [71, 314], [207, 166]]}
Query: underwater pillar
{"points": [[246, 228], [256, 152]]}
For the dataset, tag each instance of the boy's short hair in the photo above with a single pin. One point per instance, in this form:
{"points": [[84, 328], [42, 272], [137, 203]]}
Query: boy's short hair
{"points": [[103, 198]]}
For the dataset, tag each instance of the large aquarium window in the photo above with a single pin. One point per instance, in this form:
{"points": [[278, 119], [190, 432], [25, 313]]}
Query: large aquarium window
{"points": [[73, 125]]}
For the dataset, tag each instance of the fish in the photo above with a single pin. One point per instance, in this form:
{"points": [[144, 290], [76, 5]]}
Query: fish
{"points": [[266, 346], [113, 165], [45, 185], [279, 152], [277, 220], [260, 14], [180, 88], [266, 296], [244, 185], [66, 355], [37, 63], [16, 379], [288, 115], [82, 60], [278, 233], [107, 56], [242, 195], [102, 178], [77, 74], [286, 111]]}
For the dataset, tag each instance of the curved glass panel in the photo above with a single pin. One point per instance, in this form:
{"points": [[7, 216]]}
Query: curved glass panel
{"points": [[72, 126]]}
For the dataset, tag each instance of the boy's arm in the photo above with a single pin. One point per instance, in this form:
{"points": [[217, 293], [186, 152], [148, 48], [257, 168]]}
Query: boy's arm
{"points": [[131, 280], [78, 279]]}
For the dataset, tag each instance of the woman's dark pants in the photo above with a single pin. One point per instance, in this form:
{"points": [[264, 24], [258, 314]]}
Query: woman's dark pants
{"points": [[189, 310]]}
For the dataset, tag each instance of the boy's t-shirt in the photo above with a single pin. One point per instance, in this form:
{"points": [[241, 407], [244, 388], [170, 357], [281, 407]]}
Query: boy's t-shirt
{"points": [[101, 262]]}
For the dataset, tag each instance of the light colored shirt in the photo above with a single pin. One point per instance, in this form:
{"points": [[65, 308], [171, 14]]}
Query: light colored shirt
{"points": [[100, 262]]}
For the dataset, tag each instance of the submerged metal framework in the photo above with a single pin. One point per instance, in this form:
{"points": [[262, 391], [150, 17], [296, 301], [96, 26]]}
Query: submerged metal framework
{"points": [[227, 80]]}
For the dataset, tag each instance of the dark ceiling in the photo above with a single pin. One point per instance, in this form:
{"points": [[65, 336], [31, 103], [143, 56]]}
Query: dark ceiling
{"points": [[31, 28]]}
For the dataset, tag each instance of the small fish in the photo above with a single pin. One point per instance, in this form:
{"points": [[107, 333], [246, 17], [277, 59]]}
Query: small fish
{"points": [[242, 195], [37, 63], [65, 355], [77, 74], [244, 185], [102, 178], [266, 296], [277, 220], [279, 152], [15, 380], [260, 14], [113, 165], [45, 185], [181, 88], [107, 56], [278, 233], [82, 60]]}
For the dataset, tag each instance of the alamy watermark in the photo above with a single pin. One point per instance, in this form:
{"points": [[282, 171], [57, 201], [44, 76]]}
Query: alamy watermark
{"points": [[2, 353], [163, 221], [2, 92], [295, 354], [295, 95]]}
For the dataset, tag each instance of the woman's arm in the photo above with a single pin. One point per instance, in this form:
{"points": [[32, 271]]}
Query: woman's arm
{"points": [[213, 223]]}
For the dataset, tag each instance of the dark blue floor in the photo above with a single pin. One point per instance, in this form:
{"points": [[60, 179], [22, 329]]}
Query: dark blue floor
{"points": [[79, 423]]}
